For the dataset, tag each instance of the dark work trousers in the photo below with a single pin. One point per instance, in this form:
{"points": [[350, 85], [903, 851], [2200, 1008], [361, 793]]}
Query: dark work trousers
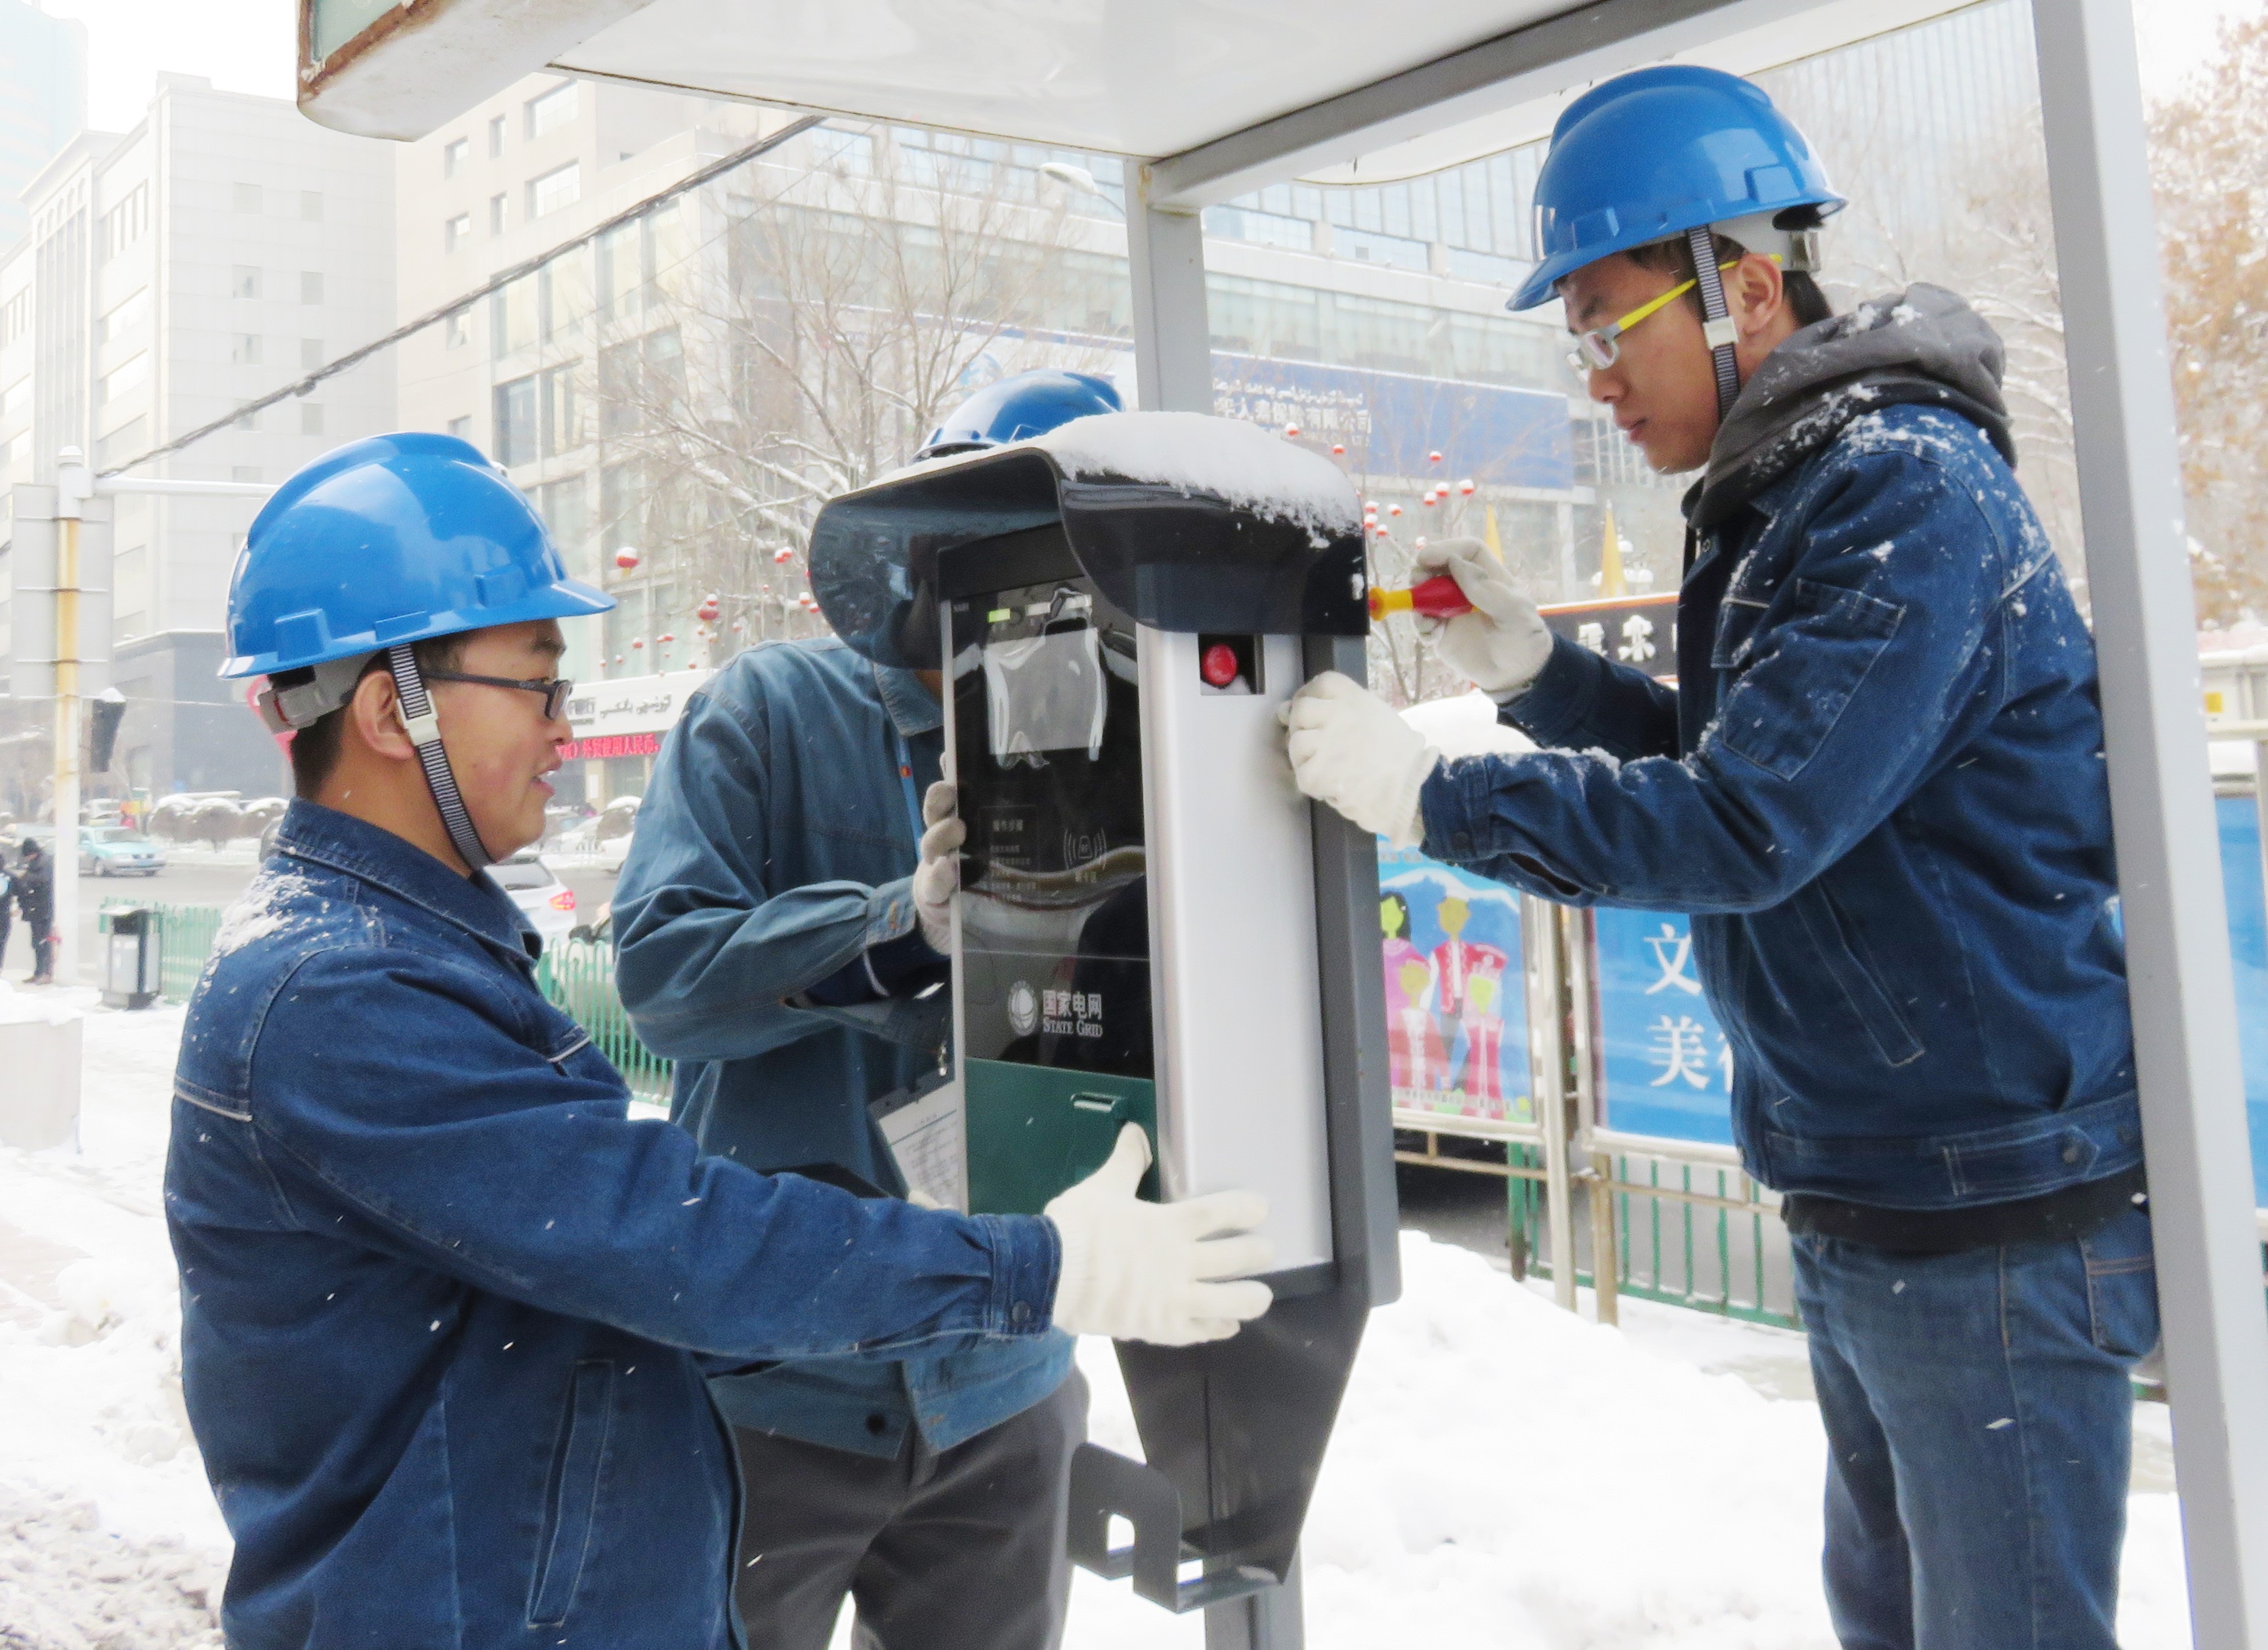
{"points": [[43, 954], [960, 1549]]}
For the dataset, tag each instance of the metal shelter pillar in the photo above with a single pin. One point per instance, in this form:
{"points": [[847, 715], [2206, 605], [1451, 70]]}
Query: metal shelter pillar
{"points": [[2178, 966], [1172, 373]]}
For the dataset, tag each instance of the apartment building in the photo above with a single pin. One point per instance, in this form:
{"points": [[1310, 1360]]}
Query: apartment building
{"points": [[216, 252], [42, 101]]}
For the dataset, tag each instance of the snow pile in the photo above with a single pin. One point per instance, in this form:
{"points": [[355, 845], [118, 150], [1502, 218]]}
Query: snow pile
{"points": [[1241, 463], [67, 1584], [35, 1008]]}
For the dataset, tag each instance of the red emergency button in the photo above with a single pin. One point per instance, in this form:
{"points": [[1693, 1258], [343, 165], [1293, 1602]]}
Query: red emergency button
{"points": [[1219, 665]]}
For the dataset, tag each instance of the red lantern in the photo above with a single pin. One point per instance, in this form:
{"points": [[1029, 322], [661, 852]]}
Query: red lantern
{"points": [[1394, 509], [783, 554], [1466, 487], [626, 558], [739, 625], [667, 638], [708, 607], [1338, 451], [1433, 457], [1290, 430], [637, 644]]}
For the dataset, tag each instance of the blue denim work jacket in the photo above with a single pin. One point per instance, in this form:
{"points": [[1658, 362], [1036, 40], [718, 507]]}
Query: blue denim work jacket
{"points": [[446, 1311], [775, 851], [1879, 789]]}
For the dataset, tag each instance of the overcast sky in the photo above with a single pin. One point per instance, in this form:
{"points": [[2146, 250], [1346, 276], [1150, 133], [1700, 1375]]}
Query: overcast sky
{"points": [[246, 45]]}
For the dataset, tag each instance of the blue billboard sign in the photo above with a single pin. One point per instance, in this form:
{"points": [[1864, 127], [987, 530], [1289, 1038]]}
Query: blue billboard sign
{"points": [[1456, 999], [1391, 423], [2247, 949], [1666, 1069]]}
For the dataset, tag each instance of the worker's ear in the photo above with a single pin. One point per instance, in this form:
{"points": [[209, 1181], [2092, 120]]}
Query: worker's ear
{"points": [[1755, 293], [374, 714]]}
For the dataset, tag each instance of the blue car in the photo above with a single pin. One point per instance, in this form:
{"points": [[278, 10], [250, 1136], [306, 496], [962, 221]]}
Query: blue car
{"points": [[118, 850]]}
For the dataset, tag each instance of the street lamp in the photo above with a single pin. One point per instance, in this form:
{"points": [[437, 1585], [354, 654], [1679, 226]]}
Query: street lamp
{"points": [[1079, 181]]}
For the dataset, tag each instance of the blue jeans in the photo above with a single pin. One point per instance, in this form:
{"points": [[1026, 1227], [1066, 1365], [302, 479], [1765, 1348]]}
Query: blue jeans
{"points": [[1979, 1422]]}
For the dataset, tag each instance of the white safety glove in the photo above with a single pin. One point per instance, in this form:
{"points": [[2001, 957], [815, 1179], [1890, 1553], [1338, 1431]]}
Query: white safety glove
{"points": [[1351, 750], [1151, 1271], [938, 876], [1503, 643]]}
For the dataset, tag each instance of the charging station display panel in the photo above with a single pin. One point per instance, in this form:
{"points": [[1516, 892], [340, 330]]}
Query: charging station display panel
{"points": [[1055, 932]]}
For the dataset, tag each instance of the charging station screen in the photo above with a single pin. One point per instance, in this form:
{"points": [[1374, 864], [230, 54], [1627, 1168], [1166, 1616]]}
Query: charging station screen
{"points": [[1048, 753]]}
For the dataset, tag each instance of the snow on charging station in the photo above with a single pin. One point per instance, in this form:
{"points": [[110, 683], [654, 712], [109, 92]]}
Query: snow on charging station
{"points": [[1210, 101]]}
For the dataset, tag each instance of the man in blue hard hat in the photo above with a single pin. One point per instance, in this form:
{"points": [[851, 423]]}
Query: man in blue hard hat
{"points": [[1878, 787], [447, 1310], [771, 938]]}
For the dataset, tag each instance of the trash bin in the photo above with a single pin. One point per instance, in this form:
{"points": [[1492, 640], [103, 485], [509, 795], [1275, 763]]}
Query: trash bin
{"points": [[132, 953], [40, 1052]]}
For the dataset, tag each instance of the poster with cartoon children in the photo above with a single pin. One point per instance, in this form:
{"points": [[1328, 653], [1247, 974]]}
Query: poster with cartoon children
{"points": [[1455, 1001]]}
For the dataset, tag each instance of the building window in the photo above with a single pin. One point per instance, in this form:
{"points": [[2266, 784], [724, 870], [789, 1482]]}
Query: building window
{"points": [[311, 205], [311, 286], [511, 318], [123, 380], [496, 137], [456, 231], [311, 418], [496, 215], [553, 109], [311, 353], [247, 197], [16, 317], [244, 281], [563, 416], [244, 473], [16, 405], [454, 154], [457, 329], [124, 316], [515, 422], [461, 428], [123, 224], [245, 350], [562, 187]]}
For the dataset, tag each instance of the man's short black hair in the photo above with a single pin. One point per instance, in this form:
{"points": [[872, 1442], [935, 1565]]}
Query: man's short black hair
{"points": [[1805, 300], [315, 747]]}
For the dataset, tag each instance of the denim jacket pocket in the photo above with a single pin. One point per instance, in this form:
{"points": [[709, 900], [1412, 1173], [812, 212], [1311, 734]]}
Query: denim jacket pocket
{"points": [[1841, 953], [578, 1468], [1812, 665]]}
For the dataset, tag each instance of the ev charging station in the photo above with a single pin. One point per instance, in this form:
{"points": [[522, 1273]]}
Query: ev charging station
{"points": [[1210, 100], [1154, 926]]}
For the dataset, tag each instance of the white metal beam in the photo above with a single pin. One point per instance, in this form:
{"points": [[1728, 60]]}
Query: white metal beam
{"points": [[1172, 338], [2192, 1087], [1540, 60]]}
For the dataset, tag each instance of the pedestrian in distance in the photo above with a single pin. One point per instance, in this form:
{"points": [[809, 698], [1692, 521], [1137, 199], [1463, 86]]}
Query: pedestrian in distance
{"points": [[781, 927], [447, 1310], [36, 899], [7, 905], [1878, 787]]}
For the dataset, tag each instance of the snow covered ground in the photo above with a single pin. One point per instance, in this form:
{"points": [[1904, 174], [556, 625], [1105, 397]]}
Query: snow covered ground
{"points": [[1503, 1474]]}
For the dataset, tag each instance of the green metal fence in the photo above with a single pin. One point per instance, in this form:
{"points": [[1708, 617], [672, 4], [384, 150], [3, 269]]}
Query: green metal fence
{"points": [[577, 975]]}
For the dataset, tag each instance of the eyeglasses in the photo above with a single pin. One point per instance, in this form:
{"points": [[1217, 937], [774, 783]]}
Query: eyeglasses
{"points": [[1597, 349], [554, 692]]}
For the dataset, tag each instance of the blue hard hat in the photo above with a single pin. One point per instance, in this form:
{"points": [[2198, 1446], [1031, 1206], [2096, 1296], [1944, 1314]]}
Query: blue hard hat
{"points": [[1658, 151], [394, 539], [1019, 407]]}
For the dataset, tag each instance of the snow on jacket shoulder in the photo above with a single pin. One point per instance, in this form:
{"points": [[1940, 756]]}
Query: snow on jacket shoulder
{"points": [[446, 1307], [1878, 788]]}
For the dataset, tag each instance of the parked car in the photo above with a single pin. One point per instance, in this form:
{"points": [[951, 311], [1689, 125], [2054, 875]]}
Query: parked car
{"points": [[536, 888], [117, 851]]}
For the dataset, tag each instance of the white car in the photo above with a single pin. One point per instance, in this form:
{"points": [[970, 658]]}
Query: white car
{"points": [[536, 888]]}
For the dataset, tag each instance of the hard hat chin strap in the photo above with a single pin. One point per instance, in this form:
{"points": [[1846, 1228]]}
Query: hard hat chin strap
{"points": [[424, 729], [1717, 328]]}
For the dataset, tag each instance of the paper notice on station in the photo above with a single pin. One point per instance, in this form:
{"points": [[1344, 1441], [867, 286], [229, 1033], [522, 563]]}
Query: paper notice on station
{"points": [[927, 1138]]}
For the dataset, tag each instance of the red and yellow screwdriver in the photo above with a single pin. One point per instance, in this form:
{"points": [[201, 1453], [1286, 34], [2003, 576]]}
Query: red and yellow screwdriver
{"points": [[1440, 597]]}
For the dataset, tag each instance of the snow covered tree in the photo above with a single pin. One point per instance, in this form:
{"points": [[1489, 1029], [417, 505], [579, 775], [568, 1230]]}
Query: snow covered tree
{"points": [[2206, 145]]}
